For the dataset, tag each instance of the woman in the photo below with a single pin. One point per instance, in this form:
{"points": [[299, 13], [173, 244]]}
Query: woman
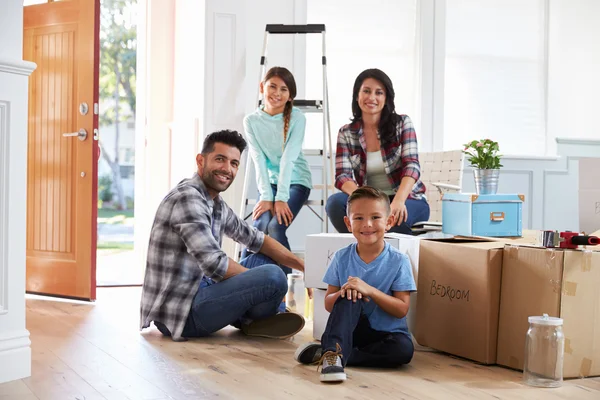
{"points": [[275, 132], [378, 148]]}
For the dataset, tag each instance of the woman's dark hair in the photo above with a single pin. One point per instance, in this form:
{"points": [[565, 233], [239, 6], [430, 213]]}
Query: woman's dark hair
{"points": [[287, 78], [228, 137], [389, 118]]}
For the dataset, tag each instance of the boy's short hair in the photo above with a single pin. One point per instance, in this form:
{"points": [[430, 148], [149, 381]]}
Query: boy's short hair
{"points": [[368, 192], [226, 136]]}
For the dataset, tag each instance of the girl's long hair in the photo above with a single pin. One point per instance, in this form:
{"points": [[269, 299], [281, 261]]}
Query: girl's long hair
{"points": [[389, 118], [286, 76]]}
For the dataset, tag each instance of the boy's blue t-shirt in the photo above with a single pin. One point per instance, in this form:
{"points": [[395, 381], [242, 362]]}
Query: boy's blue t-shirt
{"points": [[390, 271]]}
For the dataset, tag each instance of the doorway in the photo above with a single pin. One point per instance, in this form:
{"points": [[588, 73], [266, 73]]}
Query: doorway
{"points": [[116, 261]]}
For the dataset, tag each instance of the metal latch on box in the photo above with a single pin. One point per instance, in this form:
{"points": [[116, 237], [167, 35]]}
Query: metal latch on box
{"points": [[497, 216]]}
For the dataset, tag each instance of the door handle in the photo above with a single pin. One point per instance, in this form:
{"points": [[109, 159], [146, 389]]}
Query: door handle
{"points": [[82, 134]]}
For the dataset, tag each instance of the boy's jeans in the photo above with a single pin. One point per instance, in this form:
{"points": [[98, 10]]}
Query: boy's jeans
{"points": [[361, 344], [254, 294]]}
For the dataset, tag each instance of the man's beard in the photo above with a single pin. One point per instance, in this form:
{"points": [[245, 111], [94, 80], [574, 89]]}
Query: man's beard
{"points": [[209, 179]]}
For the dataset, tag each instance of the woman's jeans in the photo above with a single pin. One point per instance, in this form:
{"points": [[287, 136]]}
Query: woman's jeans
{"points": [[418, 210]]}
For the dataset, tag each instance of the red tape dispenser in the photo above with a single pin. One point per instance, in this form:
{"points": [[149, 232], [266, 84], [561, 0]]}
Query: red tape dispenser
{"points": [[567, 239]]}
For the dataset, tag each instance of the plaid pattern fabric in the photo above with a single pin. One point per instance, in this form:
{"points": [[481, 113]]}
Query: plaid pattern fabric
{"points": [[400, 157], [185, 246]]}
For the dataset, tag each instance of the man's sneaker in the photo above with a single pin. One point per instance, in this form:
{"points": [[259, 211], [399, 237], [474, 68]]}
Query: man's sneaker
{"points": [[332, 369], [308, 353], [279, 326]]}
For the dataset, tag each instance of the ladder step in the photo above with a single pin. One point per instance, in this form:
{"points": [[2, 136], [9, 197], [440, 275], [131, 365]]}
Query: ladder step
{"points": [[312, 152], [305, 105], [291, 29]]}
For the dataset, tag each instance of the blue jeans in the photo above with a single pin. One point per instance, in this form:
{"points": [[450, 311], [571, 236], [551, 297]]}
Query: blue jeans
{"points": [[418, 210], [254, 294], [362, 345], [268, 224]]}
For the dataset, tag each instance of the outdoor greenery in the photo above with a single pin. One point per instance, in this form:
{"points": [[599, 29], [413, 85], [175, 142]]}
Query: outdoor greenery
{"points": [[118, 52], [483, 154]]}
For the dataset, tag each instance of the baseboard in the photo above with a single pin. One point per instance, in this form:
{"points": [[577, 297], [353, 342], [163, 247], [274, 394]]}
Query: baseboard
{"points": [[15, 355]]}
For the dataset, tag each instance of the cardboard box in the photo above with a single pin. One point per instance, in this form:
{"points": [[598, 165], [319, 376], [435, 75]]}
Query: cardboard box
{"points": [[589, 194], [560, 283], [320, 314], [458, 294]]}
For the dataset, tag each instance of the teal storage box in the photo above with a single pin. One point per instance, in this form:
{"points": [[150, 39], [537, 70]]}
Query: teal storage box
{"points": [[497, 215]]}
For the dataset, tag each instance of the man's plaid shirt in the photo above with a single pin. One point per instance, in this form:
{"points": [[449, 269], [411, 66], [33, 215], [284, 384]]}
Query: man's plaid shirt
{"points": [[400, 157], [185, 245]]}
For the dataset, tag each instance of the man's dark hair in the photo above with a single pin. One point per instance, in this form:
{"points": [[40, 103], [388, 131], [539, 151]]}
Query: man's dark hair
{"points": [[368, 192], [226, 136]]}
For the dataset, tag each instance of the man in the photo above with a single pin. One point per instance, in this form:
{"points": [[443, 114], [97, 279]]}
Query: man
{"points": [[191, 287]]}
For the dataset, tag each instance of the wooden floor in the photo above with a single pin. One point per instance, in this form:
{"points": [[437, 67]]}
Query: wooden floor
{"points": [[95, 351]]}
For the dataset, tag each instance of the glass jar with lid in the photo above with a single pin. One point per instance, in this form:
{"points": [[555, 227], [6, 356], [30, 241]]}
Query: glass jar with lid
{"points": [[544, 352]]}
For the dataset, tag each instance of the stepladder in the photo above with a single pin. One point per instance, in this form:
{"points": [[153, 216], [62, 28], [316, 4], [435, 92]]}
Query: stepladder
{"points": [[323, 185]]}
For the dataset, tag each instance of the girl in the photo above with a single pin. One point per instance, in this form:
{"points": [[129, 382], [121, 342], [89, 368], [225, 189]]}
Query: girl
{"points": [[275, 132]]}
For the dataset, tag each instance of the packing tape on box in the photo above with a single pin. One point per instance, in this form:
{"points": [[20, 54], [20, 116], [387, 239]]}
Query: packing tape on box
{"points": [[550, 258], [511, 251], [568, 348], [585, 368], [570, 289], [586, 262]]}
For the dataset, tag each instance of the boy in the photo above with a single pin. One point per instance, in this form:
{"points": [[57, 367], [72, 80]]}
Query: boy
{"points": [[368, 296]]}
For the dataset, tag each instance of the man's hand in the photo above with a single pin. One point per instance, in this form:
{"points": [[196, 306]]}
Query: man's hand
{"points": [[261, 207], [283, 213], [356, 289]]}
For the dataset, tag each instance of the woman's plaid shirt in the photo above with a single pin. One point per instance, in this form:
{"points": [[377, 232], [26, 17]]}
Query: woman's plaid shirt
{"points": [[400, 157]]}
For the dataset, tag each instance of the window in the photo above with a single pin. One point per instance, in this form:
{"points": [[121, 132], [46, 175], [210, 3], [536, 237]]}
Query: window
{"points": [[495, 74], [382, 34]]}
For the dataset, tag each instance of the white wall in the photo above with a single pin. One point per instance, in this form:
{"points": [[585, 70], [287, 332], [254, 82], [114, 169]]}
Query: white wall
{"points": [[15, 351], [573, 66]]}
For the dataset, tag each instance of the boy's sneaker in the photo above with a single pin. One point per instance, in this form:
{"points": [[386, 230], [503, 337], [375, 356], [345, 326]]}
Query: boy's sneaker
{"points": [[279, 326], [332, 369], [308, 353]]}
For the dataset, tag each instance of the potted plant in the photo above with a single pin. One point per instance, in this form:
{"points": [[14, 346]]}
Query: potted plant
{"points": [[485, 160]]}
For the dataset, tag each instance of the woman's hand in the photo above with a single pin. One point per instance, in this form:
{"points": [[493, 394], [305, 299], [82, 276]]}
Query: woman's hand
{"points": [[283, 213], [356, 289], [399, 212], [261, 207]]}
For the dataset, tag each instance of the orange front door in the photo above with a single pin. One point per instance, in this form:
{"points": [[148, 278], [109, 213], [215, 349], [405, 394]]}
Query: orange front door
{"points": [[62, 39]]}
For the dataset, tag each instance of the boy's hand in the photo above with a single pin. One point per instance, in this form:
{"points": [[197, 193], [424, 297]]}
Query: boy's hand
{"points": [[356, 289]]}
